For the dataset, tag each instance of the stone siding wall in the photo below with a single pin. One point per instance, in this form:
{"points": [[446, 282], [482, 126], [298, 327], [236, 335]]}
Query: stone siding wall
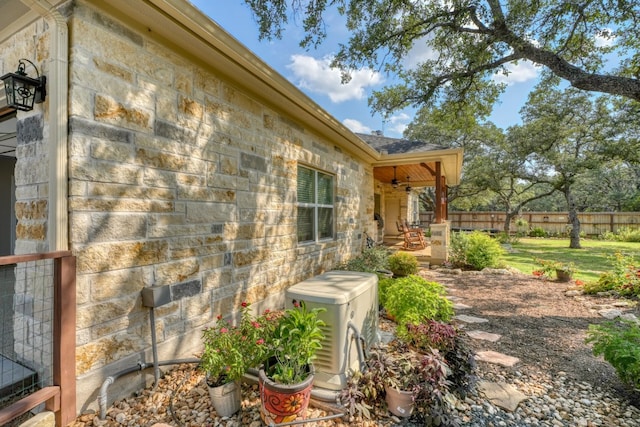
{"points": [[27, 290], [180, 178]]}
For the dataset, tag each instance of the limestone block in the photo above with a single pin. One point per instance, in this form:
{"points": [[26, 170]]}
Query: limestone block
{"points": [[109, 110], [81, 101], [33, 209], [162, 160], [112, 151], [27, 192], [112, 256], [206, 194], [31, 170], [190, 107], [211, 262], [196, 306], [96, 314], [112, 284], [175, 272], [86, 170], [178, 231], [114, 70], [183, 80], [252, 256], [120, 205], [106, 350], [31, 231], [206, 82], [130, 191], [241, 101], [198, 212], [43, 419]]}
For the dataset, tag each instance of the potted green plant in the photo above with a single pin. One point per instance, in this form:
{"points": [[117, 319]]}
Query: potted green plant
{"points": [[286, 378], [563, 271], [411, 380], [229, 350]]}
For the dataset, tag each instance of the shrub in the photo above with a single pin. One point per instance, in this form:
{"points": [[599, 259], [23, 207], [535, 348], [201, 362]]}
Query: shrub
{"points": [[624, 278], [413, 299], [403, 264], [624, 234], [475, 251], [383, 286], [371, 260], [537, 232], [431, 334], [619, 343]]}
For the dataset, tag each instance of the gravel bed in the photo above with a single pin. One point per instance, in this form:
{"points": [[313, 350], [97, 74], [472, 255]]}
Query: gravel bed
{"points": [[564, 384], [181, 399]]}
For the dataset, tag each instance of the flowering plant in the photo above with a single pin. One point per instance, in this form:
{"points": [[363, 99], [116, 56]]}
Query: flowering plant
{"points": [[229, 350], [547, 268]]}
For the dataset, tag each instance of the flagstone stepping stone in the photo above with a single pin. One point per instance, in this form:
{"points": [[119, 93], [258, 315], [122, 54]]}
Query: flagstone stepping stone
{"points": [[497, 358], [461, 306], [453, 298], [482, 335], [501, 394], [470, 319], [610, 313]]}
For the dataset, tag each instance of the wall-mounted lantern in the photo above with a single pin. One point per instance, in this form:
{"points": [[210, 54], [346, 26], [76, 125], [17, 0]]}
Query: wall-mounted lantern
{"points": [[22, 91]]}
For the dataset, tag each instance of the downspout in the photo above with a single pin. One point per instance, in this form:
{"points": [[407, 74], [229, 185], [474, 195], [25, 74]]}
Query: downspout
{"points": [[57, 95]]}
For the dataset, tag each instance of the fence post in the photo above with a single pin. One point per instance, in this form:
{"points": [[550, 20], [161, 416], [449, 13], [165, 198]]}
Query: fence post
{"points": [[64, 345]]}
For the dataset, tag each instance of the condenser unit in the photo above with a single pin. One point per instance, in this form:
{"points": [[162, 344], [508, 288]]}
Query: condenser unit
{"points": [[350, 300]]}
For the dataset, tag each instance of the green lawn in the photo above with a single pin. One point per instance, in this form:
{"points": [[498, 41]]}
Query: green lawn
{"points": [[590, 261]]}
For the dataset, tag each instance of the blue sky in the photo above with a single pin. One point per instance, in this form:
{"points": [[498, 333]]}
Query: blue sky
{"points": [[310, 72]]}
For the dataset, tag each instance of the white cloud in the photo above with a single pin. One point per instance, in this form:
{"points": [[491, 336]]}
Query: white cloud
{"points": [[317, 76], [522, 72], [419, 53], [605, 38], [398, 123], [356, 126]]}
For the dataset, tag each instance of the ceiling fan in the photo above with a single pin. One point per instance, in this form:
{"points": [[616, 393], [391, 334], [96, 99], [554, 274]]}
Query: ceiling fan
{"points": [[395, 183]]}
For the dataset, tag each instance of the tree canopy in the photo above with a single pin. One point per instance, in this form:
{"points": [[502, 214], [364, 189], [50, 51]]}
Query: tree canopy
{"points": [[591, 44]]}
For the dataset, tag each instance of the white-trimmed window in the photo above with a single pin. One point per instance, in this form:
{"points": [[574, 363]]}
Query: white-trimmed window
{"points": [[315, 205]]}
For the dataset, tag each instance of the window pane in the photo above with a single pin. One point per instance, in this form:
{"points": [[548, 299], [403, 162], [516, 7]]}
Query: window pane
{"points": [[325, 189], [305, 224], [306, 185], [325, 222]]}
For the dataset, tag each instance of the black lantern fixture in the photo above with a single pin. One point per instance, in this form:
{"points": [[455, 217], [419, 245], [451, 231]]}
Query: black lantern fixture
{"points": [[408, 188], [22, 91]]}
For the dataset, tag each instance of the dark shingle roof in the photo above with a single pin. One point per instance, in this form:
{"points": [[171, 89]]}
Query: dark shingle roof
{"points": [[397, 145]]}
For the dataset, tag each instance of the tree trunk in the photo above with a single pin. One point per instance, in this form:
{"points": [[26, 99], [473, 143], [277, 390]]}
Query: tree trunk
{"points": [[574, 235]]}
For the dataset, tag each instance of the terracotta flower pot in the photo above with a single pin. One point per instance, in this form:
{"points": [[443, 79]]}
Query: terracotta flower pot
{"points": [[282, 403], [563, 276], [400, 402], [226, 399]]}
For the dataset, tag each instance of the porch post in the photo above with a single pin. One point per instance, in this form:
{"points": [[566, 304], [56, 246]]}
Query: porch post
{"points": [[439, 218]]}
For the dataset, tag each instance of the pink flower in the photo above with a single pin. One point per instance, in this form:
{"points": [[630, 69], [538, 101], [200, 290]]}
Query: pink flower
{"points": [[260, 341], [219, 317], [256, 325], [244, 304], [296, 304], [224, 330]]}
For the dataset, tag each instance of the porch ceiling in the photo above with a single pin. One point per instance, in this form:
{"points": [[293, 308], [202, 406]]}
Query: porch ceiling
{"points": [[420, 167], [420, 175]]}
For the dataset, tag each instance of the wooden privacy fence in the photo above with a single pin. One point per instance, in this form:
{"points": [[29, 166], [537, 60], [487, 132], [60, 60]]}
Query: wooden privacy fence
{"points": [[554, 223], [38, 290]]}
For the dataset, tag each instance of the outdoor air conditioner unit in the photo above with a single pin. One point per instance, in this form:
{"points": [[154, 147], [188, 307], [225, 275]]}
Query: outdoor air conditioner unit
{"points": [[351, 302]]}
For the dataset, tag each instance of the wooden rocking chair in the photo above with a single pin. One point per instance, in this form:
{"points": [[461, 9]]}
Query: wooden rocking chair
{"points": [[413, 238]]}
